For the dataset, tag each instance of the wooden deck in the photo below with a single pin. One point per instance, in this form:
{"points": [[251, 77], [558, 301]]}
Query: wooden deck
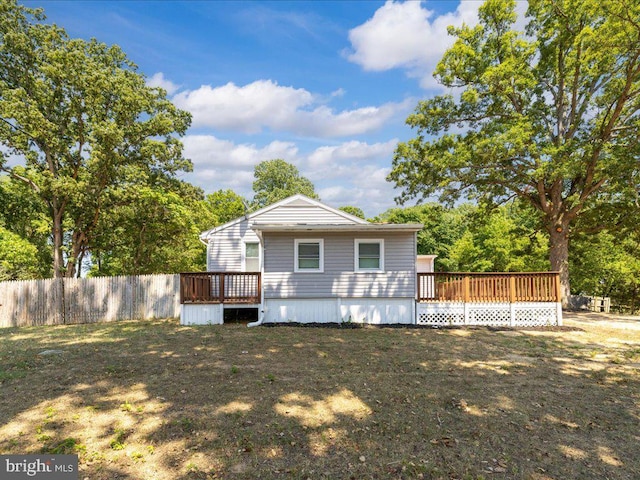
{"points": [[489, 287], [220, 287]]}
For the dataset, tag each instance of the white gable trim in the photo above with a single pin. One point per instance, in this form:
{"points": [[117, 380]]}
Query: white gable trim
{"points": [[206, 234]]}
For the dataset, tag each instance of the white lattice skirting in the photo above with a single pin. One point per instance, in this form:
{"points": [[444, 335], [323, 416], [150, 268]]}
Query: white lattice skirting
{"points": [[523, 314]]}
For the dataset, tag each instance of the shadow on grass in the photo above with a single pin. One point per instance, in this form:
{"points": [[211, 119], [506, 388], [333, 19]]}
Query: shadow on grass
{"points": [[157, 400]]}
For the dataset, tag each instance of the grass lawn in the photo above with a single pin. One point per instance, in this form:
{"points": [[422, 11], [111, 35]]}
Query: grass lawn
{"points": [[156, 400]]}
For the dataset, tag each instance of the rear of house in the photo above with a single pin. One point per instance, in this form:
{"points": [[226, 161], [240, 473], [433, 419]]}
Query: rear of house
{"points": [[302, 261], [339, 273], [305, 262]]}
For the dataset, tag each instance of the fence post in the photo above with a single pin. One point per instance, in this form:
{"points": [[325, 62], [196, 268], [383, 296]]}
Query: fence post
{"points": [[512, 300], [221, 293], [466, 295], [558, 288], [558, 300]]}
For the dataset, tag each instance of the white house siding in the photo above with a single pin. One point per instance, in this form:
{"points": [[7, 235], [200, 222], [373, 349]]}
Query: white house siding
{"points": [[226, 247], [339, 279], [199, 314], [371, 311]]}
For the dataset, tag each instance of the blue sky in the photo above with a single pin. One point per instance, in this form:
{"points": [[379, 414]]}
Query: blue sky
{"points": [[325, 85]]}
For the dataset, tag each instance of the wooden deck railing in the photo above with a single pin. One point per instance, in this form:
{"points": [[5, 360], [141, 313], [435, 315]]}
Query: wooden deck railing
{"points": [[220, 287], [489, 287]]}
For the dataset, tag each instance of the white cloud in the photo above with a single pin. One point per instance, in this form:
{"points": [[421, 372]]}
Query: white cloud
{"points": [[223, 164], [406, 35], [158, 80], [246, 109], [351, 173], [349, 154], [214, 152], [264, 104], [368, 190]]}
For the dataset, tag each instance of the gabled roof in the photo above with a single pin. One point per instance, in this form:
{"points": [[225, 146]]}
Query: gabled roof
{"points": [[297, 200]]}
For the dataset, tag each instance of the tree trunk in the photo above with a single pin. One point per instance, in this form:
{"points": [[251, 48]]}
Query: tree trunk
{"points": [[559, 258], [77, 247], [58, 241]]}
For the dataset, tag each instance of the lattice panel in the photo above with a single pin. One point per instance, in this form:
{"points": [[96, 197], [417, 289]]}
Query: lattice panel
{"points": [[536, 314], [441, 314], [490, 314], [497, 314]]}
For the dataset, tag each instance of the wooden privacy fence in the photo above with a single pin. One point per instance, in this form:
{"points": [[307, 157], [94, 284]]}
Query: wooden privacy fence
{"points": [[220, 287], [489, 287], [86, 300]]}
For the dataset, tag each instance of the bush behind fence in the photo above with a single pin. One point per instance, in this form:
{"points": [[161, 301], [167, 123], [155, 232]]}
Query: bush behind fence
{"points": [[60, 301]]}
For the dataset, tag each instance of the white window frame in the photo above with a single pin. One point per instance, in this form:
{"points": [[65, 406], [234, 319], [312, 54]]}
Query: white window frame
{"points": [[356, 254], [297, 242], [244, 255]]}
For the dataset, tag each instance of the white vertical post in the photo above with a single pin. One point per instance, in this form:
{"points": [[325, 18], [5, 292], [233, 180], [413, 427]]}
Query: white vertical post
{"points": [[559, 313]]}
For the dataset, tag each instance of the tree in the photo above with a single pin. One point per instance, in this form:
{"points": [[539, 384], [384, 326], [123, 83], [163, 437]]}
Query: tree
{"points": [[85, 122], [443, 227], [607, 265], [276, 180], [351, 210], [18, 257], [498, 242], [225, 205], [551, 118], [25, 215], [155, 232]]}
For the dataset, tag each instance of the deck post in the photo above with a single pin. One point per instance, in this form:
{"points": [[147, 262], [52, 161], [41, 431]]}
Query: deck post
{"points": [[512, 300], [466, 295]]}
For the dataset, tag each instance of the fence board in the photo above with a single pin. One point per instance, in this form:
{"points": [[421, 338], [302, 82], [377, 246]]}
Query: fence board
{"points": [[88, 300]]}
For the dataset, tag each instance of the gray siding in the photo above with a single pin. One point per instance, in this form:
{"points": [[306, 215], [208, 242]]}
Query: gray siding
{"points": [[339, 278], [291, 214], [225, 248]]}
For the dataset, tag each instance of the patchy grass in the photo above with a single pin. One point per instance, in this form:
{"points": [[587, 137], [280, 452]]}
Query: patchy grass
{"points": [[157, 400]]}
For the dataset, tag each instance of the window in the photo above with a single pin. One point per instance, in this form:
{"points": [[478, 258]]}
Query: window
{"points": [[369, 255], [252, 257], [309, 255]]}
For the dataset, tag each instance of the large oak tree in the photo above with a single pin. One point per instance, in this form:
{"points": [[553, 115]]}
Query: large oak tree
{"points": [[86, 123], [550, 116], [276, 180]]}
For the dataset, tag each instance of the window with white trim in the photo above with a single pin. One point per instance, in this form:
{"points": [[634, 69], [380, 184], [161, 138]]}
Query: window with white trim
{"points": [[251, 257], [309, 255], [369, 255]]}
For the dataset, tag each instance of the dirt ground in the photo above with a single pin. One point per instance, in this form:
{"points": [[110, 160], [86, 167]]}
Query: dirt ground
{"points": [[156, 400], [608, 320]]}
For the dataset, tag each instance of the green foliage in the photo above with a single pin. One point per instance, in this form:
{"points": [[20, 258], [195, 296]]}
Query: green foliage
{"points": [[442, 227], [608, 265], [497, 243], [18, 257], [68, 446], [468, 238], [276, 180], [550, 117], [118, 442], [25, 252], [86, 123], [351, 210], [152, 231], [225, 205]]}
